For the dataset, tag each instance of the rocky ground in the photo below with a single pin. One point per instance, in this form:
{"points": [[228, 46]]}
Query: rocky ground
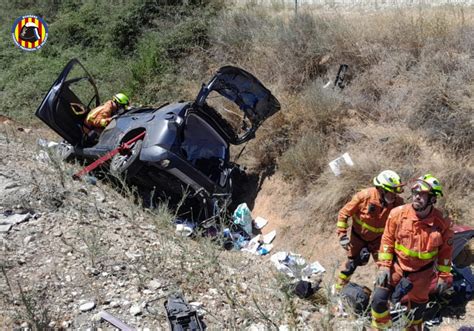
{"points": [[80, 249], [71, 249]]}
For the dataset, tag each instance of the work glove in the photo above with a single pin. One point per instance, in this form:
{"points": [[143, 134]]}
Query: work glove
{"points": [[383, 276], [344, 241], [441, 286]]}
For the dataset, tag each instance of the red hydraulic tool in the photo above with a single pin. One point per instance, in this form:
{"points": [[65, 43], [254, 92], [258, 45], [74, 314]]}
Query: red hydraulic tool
{"points": [[123, 148]]}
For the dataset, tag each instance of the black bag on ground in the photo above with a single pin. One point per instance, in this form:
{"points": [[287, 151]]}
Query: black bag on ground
{"points": [[305, 289], [356, 296]]}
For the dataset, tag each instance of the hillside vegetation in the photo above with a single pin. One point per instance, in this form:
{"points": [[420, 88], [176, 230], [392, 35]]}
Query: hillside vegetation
{"points": [[408, 105]]}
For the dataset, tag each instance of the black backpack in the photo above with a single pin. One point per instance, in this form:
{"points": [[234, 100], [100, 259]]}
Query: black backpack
{"points": [[357, 297]]}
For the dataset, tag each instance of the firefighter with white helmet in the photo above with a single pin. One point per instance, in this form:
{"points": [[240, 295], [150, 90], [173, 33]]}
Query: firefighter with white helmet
{"points": [[369, 210]]}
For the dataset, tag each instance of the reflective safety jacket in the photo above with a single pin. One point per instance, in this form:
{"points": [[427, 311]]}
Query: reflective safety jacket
{"points": [[368, 214], [415, 243], [101, 116]]}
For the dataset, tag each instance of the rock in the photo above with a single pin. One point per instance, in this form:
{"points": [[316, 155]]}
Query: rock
{"points": [[94, 271], [65, 324], [16, 219], [27, 240], [256, 327], [305, 314], [5, 228], [213, 291], [154, 284], [196, 304], [87, 306], [136, 310], [114, 304]]}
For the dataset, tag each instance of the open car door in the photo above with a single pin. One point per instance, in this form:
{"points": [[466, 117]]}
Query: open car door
{"points": [[255, 102], [68, 101]]}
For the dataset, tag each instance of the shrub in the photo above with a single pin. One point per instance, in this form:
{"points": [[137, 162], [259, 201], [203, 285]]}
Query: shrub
{"points": [[306, 159]]}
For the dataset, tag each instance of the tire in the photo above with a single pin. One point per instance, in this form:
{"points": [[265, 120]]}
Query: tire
{"points": [[127, 165]]}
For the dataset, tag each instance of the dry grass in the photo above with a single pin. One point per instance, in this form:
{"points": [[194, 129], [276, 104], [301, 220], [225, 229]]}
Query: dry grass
{"points": [[408, 105]]}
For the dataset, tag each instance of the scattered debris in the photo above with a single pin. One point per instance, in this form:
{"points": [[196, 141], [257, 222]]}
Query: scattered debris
{"points": [[87, 306], [184, 227], [14, 218], [337, 165], [181, 315], [5, 227], [8, 220], [305, 289], [115, 321], [295, 266], [268, 238], [242, 216], [135, 310], [341, 74], [264, 249], [260, 223], [46, 143]]}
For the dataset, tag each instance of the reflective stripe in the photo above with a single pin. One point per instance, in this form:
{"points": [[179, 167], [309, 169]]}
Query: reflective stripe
{"points": [[342, 224], [381, 325], [443, 268], [338, 286], [368, 227], [385, 256], [342, 276], [380, 315], [91, 116], [419, 255]]}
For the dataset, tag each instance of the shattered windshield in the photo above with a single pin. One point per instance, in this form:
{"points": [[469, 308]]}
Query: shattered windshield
{"points": [[229, 111]]}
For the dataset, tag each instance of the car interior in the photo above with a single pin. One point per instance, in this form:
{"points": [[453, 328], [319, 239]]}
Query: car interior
{"points": [[203, 147]]}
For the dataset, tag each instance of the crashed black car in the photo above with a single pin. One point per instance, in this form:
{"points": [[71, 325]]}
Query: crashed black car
{"points": [[186, 144]]}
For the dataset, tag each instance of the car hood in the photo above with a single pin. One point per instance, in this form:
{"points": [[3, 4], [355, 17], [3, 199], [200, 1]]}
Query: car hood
{"points": [[245, 90]]}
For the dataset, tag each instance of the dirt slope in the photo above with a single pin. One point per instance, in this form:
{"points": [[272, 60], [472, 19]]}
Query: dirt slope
{"points": [[87, 244]]}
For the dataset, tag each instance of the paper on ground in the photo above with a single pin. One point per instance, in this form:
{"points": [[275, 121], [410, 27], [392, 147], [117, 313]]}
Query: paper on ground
{"points": [[268, 238], [338, 164], [260, 222], [253, 245]]}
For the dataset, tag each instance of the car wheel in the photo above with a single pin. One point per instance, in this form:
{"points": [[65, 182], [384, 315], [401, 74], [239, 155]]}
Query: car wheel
{"points": [[127, 163]]}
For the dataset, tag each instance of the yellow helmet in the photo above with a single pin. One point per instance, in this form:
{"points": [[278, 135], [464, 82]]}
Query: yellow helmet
{"points": [[390, 181], [121, 99], [428, 183]]}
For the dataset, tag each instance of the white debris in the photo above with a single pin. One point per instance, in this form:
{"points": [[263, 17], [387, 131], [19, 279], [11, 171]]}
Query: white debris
{"points": [[260, 222], [268, 238], [337, 165], [136, 310], [295, 266], [5, 228], [87, 306], [15, 219]]}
